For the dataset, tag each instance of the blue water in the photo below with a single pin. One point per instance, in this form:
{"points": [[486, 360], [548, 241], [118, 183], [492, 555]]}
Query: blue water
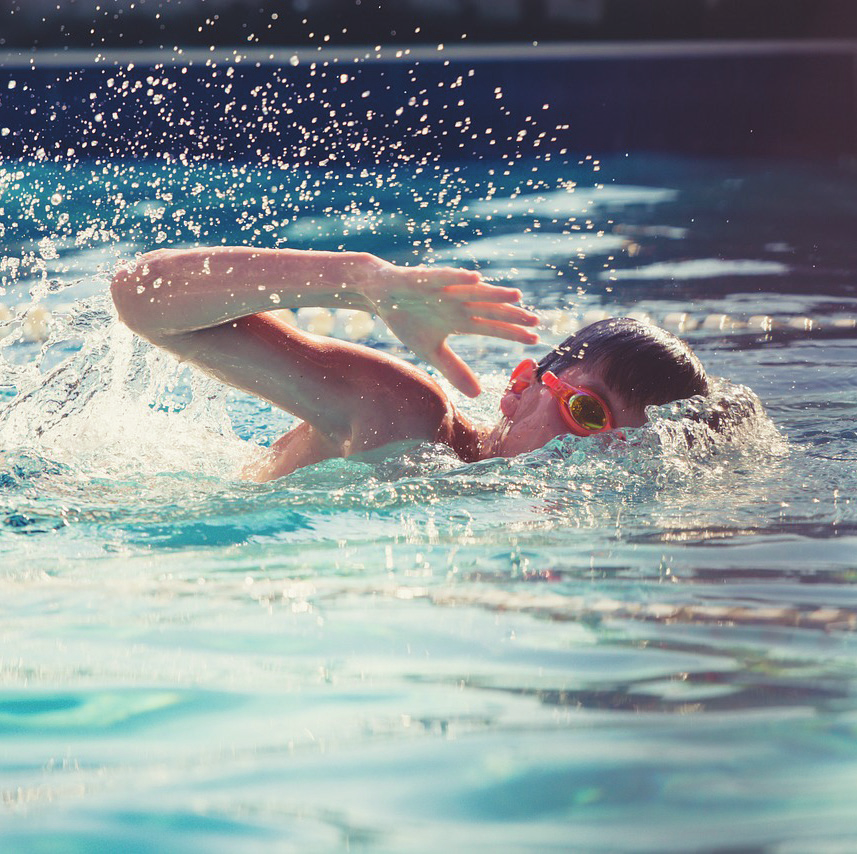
{"points": [[595, 647]]}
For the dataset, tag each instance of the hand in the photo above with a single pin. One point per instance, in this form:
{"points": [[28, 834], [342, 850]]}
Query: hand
{"points": [[424, 305]]}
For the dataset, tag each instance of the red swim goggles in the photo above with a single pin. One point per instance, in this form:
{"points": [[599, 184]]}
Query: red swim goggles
{"points": [[583, 411]]}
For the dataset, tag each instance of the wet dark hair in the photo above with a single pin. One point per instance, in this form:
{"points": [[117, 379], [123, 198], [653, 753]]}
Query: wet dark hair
{"points": [[645, 364]]}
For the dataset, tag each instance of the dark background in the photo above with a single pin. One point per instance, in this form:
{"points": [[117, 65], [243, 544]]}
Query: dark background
{"points": [[794, 99], [26, 24]]}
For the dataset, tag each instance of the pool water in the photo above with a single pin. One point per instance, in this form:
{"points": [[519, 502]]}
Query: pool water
{"points": [[598, 646]]}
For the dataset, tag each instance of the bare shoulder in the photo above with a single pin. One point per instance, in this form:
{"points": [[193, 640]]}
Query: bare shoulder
{"points": [[409, 405], [304, 445]]}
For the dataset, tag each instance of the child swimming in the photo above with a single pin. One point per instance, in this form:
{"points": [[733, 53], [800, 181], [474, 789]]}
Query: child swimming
{"points": [[213, 308]]}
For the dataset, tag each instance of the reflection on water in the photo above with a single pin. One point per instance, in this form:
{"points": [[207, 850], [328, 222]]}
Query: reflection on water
{"points": [[639, 638]]}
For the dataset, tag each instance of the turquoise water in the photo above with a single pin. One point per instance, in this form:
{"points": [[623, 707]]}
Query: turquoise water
{"points": [[596, 647]]}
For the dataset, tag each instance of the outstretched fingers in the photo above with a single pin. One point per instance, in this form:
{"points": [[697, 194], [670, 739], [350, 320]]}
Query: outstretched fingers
{"points": [[429, 303], [456, 370], [482, 292], [501, 329], [502, 311]]}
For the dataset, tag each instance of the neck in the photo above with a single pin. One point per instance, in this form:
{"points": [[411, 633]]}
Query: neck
{"points": [[491, 439], [474, 442]]}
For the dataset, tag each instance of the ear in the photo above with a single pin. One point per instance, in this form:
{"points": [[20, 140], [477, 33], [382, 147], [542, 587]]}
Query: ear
{"points": [[522, 378]]}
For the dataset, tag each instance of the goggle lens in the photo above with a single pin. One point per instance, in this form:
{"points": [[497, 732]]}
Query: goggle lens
{"points": [[587, 412]]}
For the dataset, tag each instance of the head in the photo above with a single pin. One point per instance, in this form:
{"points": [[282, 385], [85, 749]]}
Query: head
{"points": [[624, 363]]}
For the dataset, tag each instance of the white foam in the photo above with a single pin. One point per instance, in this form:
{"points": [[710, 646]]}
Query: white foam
{"points": [[94, 412]]}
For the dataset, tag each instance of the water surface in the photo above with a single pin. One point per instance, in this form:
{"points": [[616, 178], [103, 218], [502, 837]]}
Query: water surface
{"points": [[622, 646]]}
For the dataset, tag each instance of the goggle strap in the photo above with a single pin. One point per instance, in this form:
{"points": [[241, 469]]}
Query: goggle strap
{"points": [[552, 381]]}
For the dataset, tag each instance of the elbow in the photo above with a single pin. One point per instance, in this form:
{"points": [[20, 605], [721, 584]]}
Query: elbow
{"points": [[123, 292], [134, 290]]}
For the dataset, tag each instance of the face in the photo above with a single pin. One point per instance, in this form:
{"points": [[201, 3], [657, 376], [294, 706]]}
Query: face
{"points": [[531, 417]]}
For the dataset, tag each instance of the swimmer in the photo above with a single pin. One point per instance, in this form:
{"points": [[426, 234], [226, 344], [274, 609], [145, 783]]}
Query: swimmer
{"points": [[213, 308]]}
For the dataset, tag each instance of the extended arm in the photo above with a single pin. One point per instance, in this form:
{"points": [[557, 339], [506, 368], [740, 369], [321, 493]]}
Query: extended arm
{"points": [[172, 292], [210, 306]]}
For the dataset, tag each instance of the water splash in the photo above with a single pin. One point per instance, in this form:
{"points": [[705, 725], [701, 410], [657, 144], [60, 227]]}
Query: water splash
{"points": [[94, 404]]}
